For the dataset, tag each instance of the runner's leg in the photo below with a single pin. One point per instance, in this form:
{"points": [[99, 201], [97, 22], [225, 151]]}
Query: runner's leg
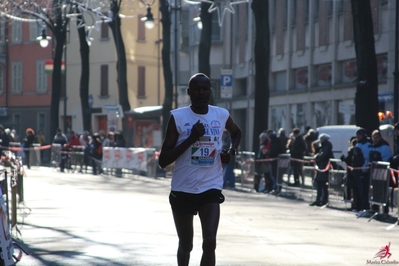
{"points": [[185, 232], [209, 214]]}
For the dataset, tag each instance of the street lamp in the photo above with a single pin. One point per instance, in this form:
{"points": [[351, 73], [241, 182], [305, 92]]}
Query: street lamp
{"points": [[176, 8], [43, 38], [148, 19]]}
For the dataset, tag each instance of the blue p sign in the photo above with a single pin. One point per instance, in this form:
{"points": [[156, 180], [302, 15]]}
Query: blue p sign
{"points": [[226, 80]]}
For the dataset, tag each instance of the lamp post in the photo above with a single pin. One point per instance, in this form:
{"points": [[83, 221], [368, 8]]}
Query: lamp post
{"points": [[65, 87], [176, 8]]}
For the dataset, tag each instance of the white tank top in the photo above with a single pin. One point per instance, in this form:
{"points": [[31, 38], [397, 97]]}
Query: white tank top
{"points": [[199, 168]]}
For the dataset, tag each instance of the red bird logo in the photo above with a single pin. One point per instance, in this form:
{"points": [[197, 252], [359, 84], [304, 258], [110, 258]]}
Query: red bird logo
{"points": [[384, 252]]}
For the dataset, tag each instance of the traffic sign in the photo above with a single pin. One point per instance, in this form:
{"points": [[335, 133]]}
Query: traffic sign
{"points": [[226, 84]]}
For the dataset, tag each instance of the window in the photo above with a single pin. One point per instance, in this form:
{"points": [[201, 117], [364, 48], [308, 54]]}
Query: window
{"points": [[141, 82], [34, 31], [104, 80], [141, 28], [1, 79], [16, 31], [280, 81], [41, 77], [16, 68], [301, 81], [349, 71], [104, 31], [324, 75], [41, 121]]}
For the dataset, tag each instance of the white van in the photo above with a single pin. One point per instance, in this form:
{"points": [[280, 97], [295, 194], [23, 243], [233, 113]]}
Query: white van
{"points": [[340, 136]]}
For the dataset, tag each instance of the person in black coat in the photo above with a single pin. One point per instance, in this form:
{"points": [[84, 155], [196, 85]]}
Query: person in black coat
{"points": [[350, 181], [28, 143], [322, 158]]}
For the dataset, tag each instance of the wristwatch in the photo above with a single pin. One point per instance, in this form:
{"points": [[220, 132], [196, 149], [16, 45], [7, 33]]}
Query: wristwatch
{"points": [[232, 150]]}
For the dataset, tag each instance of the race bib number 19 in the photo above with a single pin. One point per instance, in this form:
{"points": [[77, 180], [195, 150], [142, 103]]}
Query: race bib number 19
{"points": [[203, 155]]}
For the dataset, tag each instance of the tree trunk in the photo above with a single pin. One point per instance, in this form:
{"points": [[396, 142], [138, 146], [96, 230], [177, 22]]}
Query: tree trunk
{"points": [[166, 64], [60, 38], [204, 50], [84, 77], [121, 68], [262, 65], [366, 98]]}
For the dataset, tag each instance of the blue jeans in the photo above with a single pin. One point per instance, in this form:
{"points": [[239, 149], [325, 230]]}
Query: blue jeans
{"points": [[228, 174]]}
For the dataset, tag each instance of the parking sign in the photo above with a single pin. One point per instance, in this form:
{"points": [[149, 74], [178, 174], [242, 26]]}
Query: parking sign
{"points": [[226, 84]]}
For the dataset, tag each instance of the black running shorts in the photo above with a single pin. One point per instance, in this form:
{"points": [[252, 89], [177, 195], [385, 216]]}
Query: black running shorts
{"points": [[189, 203]]}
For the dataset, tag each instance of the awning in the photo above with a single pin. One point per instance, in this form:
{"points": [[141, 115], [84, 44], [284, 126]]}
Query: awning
{"points": [[153, 111]]}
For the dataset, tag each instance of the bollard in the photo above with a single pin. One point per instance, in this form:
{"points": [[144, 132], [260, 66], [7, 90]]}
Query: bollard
{"points": [[20, 186], [14, 205]]}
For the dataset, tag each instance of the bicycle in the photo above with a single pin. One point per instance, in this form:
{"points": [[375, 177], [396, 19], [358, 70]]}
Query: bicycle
{"points": [[11, 248]]}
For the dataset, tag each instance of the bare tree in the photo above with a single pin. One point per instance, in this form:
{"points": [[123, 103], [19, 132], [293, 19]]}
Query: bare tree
{"points": [[115, 25], [85, 73], [366, 98], [262, 65]]}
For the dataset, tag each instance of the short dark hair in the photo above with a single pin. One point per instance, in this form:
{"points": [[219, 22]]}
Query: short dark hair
{"points": [[296, 131], [193, 77]]}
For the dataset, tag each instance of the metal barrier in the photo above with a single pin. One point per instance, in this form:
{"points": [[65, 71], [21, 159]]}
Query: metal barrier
{"points": [[245, 168], [283, 170], [140, 161], [55, 155], [336, 183], [309, 171], [379, 183]]}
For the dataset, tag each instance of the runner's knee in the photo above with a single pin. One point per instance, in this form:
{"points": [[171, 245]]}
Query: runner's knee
{"points": [[209, 244]]}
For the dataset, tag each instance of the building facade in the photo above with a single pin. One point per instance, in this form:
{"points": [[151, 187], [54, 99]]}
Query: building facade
{"points": [[312, 65]]}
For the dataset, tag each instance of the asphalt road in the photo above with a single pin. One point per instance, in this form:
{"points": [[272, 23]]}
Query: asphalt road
{"points": [[82, 219]]}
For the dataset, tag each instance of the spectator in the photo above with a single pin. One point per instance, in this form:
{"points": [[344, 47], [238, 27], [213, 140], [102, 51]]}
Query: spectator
{"points": [[96, 153], [40, 138], [283, 139], [60, 138], [14, 135], [322, 158], [380, 151], [262, 169], [352, 191], [120, 140], [5, 140], [310, 137], [85, 140], [68, 147], [8, 132], [297, 151], [273, 153], [27, 144], [361, 159], [228, 169], [109, 140]]}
